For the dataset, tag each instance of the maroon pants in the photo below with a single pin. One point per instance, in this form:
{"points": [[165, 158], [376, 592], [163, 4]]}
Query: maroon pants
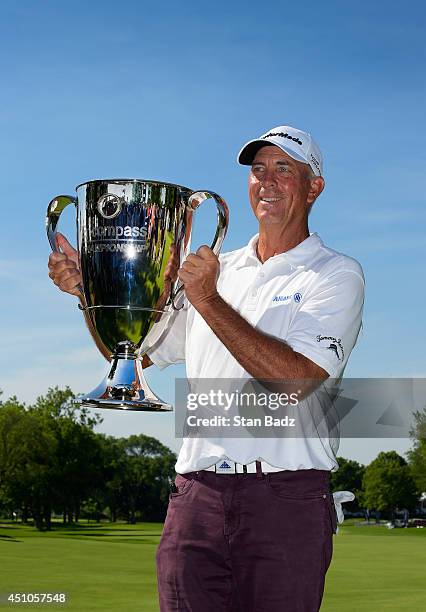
{"points": [[246, 542]]}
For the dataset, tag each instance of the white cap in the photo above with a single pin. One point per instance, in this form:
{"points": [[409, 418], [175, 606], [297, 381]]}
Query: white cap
{"points": [[299, 145]]}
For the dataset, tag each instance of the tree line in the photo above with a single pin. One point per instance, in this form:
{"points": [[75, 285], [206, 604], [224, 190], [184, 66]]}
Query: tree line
{"points": [[52, 462], [389, 482]]}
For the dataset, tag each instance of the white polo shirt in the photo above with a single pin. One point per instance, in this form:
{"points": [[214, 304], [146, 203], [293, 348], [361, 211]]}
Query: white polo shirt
{"points": [[311, 297]]}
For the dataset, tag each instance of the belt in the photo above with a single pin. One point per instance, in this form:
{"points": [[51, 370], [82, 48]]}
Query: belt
{"points": [[227, 466]]}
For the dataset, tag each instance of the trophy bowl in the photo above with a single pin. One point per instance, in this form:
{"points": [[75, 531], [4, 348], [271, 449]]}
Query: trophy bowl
{"points": [[129, 233]]}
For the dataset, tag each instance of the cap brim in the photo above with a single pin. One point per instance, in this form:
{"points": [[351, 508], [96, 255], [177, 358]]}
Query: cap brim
{"points": [[249, 150]]}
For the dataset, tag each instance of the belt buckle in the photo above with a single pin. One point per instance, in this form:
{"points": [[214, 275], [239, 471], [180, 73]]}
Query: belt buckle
{"points": [[225, 466]]}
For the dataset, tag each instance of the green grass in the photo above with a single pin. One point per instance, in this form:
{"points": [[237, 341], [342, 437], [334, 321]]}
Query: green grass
{"points": [[375, 569], [112, 567], [106, 567]]}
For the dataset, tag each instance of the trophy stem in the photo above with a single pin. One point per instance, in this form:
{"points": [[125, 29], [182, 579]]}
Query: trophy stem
{"points": [[124, 387]]}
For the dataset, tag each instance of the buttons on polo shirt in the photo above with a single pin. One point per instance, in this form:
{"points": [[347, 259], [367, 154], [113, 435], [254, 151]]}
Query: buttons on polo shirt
{"points": [[255, 289], [253, 296]]}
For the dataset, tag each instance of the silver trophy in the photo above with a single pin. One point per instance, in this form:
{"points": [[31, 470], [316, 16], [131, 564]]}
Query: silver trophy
{"points": [[125, 231]]}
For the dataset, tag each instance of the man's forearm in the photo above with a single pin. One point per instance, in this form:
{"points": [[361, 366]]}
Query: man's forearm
{"points": [[262, 356]]}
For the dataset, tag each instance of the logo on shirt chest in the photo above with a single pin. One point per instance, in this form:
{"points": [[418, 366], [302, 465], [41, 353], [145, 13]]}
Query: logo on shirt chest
{"points": [[287, 298]]}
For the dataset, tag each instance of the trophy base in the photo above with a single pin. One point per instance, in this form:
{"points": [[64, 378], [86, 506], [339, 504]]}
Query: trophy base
{"points": [[124, 387], [87, 401]]}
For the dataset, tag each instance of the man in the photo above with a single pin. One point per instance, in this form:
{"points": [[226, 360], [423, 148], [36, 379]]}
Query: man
{"points": [[250, 523]]}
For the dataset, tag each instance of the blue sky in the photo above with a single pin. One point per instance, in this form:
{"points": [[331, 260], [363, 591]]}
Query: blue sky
{"points": [[171, 91]]}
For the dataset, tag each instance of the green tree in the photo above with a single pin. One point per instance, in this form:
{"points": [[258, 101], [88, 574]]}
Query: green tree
{"points": [[417, 455], [139, 484], [388, 483], [27, 451], [348, 478], [78, 461], [50, 458]]}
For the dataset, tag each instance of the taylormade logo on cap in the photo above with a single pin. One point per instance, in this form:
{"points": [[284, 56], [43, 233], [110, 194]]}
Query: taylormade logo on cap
{"points": [[282, 135], [296, 143]]}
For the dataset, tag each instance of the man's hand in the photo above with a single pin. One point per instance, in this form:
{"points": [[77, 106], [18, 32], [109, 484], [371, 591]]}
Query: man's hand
{"points": [[63, 267], [199, 274]]}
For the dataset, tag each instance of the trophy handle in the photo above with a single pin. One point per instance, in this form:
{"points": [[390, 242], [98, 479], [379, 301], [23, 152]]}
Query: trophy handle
{"points": [[54, 211], [196, 198]]}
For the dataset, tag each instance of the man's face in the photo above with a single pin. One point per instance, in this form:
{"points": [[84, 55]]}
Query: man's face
{"points": [[280, 188]]}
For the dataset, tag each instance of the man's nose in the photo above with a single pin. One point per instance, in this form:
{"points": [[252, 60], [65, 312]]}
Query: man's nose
{"points": [[268, 178]]}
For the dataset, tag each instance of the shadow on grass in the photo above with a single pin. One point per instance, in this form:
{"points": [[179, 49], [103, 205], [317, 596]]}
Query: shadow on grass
{"points": [[113, 535], [114, 532], [8, 538], [113, 527]]}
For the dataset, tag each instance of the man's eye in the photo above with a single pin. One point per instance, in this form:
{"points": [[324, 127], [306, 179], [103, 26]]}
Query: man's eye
{"points": [[284, 169]]}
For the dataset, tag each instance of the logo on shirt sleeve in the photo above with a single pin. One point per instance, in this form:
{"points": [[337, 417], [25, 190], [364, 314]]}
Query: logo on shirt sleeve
{"points": [[334, 345]]}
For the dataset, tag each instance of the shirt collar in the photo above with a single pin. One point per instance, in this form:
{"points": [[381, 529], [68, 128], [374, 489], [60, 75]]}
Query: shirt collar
{"points": [[297, 257]]}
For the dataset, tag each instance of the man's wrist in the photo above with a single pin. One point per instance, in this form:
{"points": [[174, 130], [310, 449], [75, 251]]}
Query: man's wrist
{"points": [[209, 305]]}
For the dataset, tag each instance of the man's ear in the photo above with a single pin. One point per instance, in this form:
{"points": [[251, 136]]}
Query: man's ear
{"points": [[317, 184]]}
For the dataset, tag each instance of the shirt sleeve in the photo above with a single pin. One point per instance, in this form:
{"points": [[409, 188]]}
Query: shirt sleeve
{"points": [[326, 327], [170, 347]]}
